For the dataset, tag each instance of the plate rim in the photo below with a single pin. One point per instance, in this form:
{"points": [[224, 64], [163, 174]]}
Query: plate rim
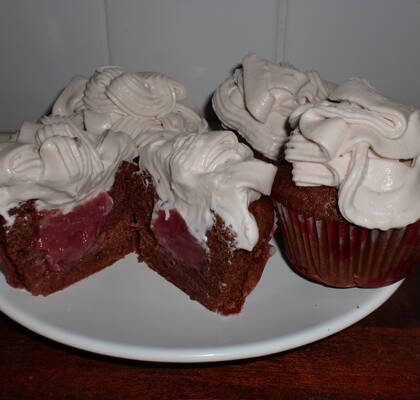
{"points": [[202, 354]]}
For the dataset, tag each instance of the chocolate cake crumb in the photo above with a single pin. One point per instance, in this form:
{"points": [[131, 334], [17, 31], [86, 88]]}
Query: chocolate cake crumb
{"points": [[229, 274], [320, 202]]}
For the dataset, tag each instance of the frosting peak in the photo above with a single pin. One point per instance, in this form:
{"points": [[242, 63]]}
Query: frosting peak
{"points": [[368, 147], [203, 174], [145, 94], [259, 98]]}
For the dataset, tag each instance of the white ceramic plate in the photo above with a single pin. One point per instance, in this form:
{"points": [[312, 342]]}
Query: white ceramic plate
{"points": [[129, 311]]}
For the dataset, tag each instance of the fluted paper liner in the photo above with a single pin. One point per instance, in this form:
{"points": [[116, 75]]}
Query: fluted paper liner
{"points": [[341, 254]]}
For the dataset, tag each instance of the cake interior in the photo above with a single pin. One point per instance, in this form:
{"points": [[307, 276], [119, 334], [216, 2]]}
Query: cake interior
{"points": [[46, 251], [219, 277]]}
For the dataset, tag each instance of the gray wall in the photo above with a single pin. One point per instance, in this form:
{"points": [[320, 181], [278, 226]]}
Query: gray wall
{"points": [[45, 42]]}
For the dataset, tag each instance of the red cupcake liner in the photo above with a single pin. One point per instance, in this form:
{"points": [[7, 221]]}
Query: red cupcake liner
{"points": [[341, 254]]}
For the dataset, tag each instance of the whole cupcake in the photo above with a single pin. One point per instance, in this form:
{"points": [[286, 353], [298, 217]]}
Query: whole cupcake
{"points": [[257, 100], [349, 201]]}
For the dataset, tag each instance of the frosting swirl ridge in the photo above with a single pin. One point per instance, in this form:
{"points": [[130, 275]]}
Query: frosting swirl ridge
{"points": [[145, 94]]}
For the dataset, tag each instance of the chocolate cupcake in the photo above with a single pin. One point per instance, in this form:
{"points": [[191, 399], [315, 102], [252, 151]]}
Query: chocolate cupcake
{"points": [[258, 99], [349, 202]]}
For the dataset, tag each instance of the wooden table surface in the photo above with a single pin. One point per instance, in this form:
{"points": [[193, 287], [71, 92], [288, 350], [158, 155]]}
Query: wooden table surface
{"points": [[377, 358]]}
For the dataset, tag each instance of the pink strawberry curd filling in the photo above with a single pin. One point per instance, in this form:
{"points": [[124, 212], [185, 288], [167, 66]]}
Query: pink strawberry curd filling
{"points": [[172, 233], [66, 238]]}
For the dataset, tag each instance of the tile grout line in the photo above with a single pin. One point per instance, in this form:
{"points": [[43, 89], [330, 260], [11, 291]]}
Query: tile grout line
{"points": [[106, 23], [280, 51]]}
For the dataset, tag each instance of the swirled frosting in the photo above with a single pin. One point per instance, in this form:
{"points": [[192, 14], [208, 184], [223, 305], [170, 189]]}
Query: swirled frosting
{"points": [[59, 165], [368, 147], [116, 99], [202, 174], [258, 99]]}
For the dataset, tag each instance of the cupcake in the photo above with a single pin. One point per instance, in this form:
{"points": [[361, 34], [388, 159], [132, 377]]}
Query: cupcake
{"points": [[349, 202], [123, 101], [257, 100], [63, 206], [202, 209]]}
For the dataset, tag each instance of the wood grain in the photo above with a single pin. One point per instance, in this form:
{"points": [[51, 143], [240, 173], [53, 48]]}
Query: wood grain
{"points": [[378, 358]]}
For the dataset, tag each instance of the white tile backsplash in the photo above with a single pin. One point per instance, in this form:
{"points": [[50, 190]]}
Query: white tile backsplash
{"points": [[197, 42], [376, 39], [45, 42]]}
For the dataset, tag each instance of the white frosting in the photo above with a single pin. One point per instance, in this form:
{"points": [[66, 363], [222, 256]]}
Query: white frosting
{"points": [[259, 98], [202, 174], [66, 109], [60, 166], [69, 105], [70, 100], [126, 102], [368, 147]]}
